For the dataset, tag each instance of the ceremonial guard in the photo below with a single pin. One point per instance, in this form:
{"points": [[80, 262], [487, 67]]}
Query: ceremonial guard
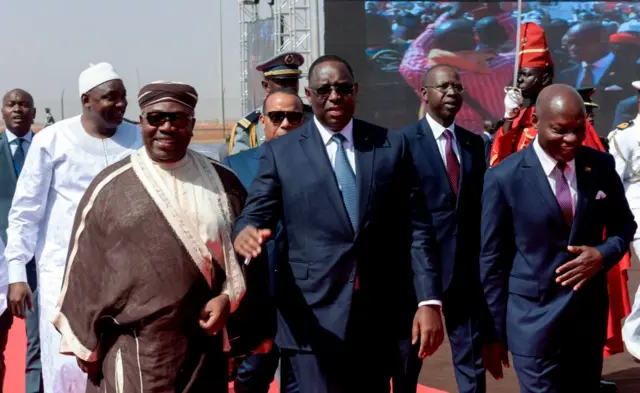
{"points": [[280, 72], [624, 145]]}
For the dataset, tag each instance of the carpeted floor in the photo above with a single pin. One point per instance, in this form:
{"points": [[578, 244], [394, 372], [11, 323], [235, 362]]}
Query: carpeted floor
{"points": [[15, 354]]}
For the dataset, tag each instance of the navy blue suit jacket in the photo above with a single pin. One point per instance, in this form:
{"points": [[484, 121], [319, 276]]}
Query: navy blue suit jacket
{"points": [[245, 166], [525, 239], [456, 220], [389, 251]]}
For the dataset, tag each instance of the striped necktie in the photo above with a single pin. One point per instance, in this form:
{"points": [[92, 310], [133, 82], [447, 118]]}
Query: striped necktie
{"points": [[346, 180], [18, 156]]}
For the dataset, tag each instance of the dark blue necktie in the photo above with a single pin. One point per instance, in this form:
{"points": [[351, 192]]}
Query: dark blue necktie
{"points": [[346, 180], [18, 156]]}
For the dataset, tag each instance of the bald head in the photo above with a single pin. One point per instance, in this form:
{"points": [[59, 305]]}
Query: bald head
{"points": [[18, 111], [560, 119], [559, 99]]}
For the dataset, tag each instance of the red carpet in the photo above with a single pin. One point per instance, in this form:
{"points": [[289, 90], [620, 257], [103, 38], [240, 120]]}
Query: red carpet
{"points": [[15, 354]]}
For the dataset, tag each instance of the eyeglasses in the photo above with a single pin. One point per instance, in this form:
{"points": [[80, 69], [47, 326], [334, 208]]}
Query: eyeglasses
{"points": [[177, 119], [277, 117], [444, 88], [343, 89]]}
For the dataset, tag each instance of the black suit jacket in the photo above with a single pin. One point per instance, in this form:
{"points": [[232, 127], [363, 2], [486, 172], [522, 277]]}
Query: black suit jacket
{"points": [[456, 219], [390, 250], [618, 74]]}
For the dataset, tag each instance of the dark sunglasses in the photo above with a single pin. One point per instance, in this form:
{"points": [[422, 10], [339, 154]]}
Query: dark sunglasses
{"points": [[342, 90], [177, 119], [278, 117]]}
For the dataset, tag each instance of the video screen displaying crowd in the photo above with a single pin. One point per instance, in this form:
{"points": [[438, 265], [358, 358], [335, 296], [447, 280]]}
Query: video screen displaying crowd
{"points": [[479, 38]]}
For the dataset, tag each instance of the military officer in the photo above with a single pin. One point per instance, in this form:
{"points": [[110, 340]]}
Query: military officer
{"points": [[281, 71], [624, 145]]}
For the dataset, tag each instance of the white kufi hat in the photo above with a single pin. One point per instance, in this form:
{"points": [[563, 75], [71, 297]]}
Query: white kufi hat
{"points": [[96, 75]]}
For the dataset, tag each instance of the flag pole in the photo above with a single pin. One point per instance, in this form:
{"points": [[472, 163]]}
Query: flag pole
{"points": [[518, 44]]}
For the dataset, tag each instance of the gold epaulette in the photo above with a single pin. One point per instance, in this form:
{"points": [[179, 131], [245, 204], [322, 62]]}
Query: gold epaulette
{"points": [[625, 125]]}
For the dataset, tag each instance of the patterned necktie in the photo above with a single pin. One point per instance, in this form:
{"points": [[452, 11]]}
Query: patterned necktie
{"points": [[563, 193], [18, 156], [346, 180], [587, 79], [453, 166]]}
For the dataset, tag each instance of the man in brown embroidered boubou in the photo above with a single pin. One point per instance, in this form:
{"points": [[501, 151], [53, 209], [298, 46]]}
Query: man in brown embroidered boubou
{"points": [[151, 275]]}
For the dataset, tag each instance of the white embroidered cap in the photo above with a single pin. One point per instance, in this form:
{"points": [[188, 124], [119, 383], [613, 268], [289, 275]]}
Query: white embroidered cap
{"points": [[96, 75]]}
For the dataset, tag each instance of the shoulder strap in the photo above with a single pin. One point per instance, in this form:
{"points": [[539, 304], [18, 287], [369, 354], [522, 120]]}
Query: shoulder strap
{"points": [[248, 120]]}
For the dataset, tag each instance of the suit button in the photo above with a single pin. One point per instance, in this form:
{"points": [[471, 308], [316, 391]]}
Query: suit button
{"points": [[454, 236], [351, 277]]}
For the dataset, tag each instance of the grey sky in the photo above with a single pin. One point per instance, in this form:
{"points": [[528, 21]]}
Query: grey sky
{"points": [[48, 43]]}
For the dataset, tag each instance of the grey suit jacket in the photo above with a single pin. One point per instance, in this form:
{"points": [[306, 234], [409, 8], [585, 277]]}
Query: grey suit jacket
{"points": [[8, 180]]}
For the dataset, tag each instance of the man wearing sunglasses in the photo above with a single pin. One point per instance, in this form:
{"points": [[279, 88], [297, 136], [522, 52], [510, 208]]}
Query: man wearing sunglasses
{"points": [[359, 263], [283, 112], [280, 72], [151, 275]]}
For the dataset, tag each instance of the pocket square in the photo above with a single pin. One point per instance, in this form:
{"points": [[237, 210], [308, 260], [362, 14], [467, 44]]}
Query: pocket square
{"points": [[600, 195]]}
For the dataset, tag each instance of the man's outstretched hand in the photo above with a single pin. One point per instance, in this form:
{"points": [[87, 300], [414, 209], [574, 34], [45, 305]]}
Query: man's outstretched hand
{"points": [[427, 326], [249, 241]]}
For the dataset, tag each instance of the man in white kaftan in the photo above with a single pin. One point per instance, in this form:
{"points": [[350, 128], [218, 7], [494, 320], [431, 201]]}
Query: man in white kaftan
{"points": [[62, 161]]}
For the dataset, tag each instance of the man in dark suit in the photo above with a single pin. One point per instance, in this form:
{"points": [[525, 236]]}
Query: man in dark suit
{"points": [[359, 239], [451, 164], [627, 109], [543, 262], [18, 113], [283, 112], [600, 68]]}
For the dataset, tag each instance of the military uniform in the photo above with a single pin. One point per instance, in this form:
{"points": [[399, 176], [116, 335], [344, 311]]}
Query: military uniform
{"points": [[248, 132], [624, 146]]}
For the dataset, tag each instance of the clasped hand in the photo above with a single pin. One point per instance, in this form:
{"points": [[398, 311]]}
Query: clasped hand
{"points": [[580, 269]]}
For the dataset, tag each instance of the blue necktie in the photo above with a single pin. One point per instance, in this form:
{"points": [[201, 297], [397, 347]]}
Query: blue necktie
{"points": [[18, 156], [346, 180]]}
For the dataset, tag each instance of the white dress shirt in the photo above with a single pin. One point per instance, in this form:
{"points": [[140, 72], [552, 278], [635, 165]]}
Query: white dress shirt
{"points": [[549, 164], [332, 147], [598, 69], [11, 137], [438, 133], [4, 280]]}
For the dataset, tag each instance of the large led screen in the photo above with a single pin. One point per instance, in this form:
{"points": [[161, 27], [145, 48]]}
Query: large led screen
{"points": [[392, 43]]}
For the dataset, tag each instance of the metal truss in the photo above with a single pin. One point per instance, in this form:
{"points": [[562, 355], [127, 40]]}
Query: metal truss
{"points": [[294, 28], [248, 13]]}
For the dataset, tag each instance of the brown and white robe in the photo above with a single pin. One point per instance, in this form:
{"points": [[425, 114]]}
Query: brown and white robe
{"points": [[150, 246]]}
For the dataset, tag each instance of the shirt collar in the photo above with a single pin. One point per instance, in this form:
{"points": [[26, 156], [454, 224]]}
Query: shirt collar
{"points": [[603, 62], [326, 135], [549, 163], [12, 137], [438, 129]]}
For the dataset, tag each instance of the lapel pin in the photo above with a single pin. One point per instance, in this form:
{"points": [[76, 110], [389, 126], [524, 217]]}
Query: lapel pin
{"points": [[587, 169]]}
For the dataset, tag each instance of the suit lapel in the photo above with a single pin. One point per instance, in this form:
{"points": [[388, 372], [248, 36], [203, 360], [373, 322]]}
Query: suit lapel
{"points": [[583, 181], [315, 150], [6, 158], [540, 183], [466, 159], [365, 154], [429, 146]]}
